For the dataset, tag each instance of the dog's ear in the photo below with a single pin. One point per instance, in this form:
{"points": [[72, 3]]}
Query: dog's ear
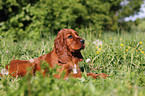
{"points": [[61, 48]]}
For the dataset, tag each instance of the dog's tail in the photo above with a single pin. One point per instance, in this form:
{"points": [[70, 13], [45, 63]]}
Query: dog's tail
{"points": [[4, 71]]}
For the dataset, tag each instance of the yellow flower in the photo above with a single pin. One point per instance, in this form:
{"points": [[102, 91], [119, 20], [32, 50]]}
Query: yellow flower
{"points": [[136, 50], [110, 38], [114, 37], [99, 48], [140, 42], [98, 52], [129, 47], [132, 49], [87, 43], [127, 50], [139, 49], [121, 44], [36, 82], [142, 52]]}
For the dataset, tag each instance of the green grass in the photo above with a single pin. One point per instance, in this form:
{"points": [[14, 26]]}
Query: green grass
{"points": [[121, 56]]}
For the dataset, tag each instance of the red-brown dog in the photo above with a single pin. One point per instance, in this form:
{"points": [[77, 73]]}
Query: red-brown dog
{"points": [[66, 53]]}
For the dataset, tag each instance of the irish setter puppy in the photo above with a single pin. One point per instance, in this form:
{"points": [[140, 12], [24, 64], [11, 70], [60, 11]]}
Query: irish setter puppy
{"points": [[66, 53]]}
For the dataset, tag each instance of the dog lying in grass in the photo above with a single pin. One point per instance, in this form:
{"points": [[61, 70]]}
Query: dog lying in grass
{"points": [[66, 54]]}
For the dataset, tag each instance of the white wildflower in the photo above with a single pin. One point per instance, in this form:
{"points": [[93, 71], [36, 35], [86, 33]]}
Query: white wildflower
{"points": [[98, 43], [88, 60], [31, 60], [95, 42], [4, 71]]}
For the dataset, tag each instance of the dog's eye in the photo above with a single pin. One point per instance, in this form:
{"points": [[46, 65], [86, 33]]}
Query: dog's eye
{"points": [[70, 36]]}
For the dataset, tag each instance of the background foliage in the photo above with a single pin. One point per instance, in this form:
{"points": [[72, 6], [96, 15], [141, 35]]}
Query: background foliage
{"points": [[38, 18]]}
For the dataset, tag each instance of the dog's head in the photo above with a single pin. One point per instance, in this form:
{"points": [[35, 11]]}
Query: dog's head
{"points": [[67, 44]]}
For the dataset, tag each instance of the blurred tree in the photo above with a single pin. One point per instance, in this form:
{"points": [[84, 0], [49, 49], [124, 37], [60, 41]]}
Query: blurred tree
{"points": [[37, 18]]}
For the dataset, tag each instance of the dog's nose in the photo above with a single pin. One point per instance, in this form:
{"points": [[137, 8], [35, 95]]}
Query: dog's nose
{"points": [[82, 41]]}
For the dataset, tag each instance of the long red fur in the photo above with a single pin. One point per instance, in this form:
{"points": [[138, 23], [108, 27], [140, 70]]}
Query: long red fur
{"points": [[66, 53]]}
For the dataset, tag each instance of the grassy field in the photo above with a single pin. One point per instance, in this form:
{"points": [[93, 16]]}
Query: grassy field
{"points": [[121, 56]]}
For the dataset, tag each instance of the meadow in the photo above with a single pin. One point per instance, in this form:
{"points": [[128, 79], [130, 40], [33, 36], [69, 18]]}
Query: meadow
{"points": [[121, 55]]}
